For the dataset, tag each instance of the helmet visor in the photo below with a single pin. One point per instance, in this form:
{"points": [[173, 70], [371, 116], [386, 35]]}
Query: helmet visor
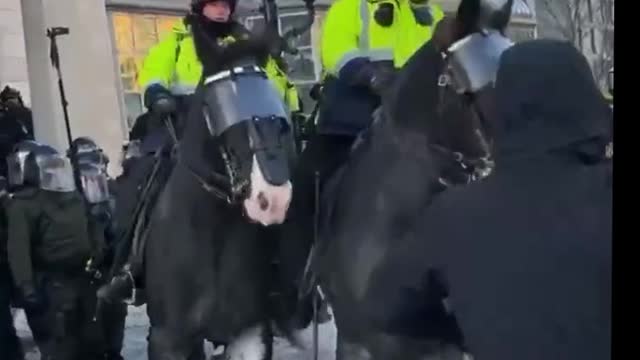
{"points": [[56, 173], [95, 184]]}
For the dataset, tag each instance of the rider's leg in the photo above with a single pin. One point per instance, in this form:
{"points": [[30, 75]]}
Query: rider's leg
{"points": [[324, 154], [126, 284]]}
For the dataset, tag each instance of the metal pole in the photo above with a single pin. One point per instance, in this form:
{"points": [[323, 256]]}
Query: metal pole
{"points": [[52, 34], [316, 295]]}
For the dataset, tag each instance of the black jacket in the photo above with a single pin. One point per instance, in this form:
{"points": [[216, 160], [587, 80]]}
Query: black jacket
{"points": [[48, 231], [15, 125], [526, 253]]}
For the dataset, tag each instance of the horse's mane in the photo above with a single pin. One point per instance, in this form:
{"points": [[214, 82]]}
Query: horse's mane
{"points": [[215, 57]]}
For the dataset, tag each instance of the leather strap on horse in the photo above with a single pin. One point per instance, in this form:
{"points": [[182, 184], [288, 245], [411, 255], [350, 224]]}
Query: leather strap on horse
{"points": [[223, 194], [131, 228]]}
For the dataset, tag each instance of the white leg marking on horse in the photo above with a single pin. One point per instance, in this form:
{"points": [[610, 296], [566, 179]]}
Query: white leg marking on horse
{"points": [[267, 204], [248, 346]]}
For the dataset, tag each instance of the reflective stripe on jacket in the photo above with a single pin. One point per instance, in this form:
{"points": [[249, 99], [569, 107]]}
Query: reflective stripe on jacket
{"points": [[352, 37], [350, 31]]}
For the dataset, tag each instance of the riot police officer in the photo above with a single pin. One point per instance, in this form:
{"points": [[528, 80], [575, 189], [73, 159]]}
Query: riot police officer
{"points": [[49, 247], [10, 345], [90, 165], [15, 183]]}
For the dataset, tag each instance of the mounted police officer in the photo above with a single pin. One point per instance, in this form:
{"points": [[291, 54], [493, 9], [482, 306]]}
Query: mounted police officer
{"points": [[49, 247], [170, 75], [363, 43], [15, 183], [90, 165], [172, 70]]}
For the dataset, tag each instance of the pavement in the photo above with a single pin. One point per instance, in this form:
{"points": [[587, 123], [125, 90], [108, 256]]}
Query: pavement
{"points": [[137, 327]]}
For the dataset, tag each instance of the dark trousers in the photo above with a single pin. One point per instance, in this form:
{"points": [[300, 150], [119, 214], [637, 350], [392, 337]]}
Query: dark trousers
{"points": [[10, 347], [70, 314], [325, 154]]}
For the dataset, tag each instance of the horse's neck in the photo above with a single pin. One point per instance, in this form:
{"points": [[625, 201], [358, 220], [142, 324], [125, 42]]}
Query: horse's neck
{"points": [[388, 134], [415, 98]]}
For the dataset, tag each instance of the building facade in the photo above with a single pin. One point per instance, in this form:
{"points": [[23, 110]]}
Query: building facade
{"points": [[108, 40]]}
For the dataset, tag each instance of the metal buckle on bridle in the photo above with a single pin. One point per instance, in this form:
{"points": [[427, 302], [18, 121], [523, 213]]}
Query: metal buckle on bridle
{"points": [[443, 80]]}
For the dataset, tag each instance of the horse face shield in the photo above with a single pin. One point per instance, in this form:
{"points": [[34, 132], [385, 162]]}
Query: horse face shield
{"points": [[244, 111], [473, 64], [473, 61]]}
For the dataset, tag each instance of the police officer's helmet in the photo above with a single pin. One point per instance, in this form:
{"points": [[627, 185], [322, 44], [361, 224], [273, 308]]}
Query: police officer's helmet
{"points": [[31, 165], [16, 160], [198, 5], [84, 150], [9, 94]]}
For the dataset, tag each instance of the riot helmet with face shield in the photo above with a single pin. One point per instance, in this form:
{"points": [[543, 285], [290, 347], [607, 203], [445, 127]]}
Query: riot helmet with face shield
{"points": [[94, 183], [47, 169], [84, 150], [16, 162]]}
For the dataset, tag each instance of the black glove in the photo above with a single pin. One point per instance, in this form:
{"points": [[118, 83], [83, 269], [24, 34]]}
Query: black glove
{"points": [[159, 100]]}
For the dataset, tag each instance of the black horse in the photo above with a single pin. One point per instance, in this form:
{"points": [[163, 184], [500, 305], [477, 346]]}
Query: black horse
{"points": [[424, 138], [208, 262]]}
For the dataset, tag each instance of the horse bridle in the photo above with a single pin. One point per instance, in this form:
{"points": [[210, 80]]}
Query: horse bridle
{"points": [[223, 186], [480, 167]]}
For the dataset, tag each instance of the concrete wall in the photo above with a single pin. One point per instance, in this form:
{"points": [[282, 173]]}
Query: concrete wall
{"points": [[13, 55], [87, 68]]}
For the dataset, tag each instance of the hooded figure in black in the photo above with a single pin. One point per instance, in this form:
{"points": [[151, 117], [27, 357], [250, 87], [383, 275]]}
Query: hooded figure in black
{"points": [[524, 255], [16, 123]]}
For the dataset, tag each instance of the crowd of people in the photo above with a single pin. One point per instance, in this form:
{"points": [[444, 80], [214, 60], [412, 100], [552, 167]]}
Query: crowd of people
{"points": [[57, 243]]}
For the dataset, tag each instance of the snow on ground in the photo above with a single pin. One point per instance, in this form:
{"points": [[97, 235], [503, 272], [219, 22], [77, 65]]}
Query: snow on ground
{"points": [[135, 347]]}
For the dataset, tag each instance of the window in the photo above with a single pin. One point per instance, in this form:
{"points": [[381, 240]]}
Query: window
{"points": [[304, 68], [135, 34]]}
